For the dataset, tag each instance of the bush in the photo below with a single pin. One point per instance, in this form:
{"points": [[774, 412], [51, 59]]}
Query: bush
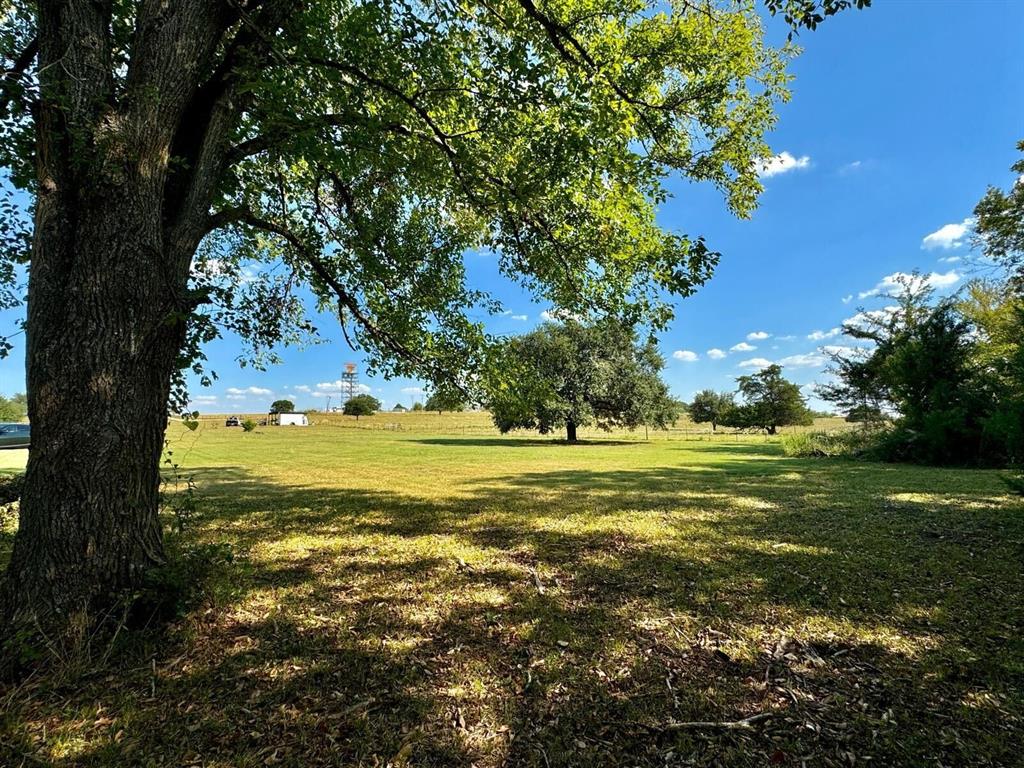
{"points": [[181, 583], [825, 444], [10, 495], [248, 425]]}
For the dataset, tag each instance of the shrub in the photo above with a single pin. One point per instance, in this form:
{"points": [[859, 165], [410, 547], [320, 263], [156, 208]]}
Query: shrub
{"points": [[248, 425], [181, 583], [10, 495], [825, 444]]}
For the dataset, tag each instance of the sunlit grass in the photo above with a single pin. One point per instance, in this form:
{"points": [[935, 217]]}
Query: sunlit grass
{"points": [[439, 595]]}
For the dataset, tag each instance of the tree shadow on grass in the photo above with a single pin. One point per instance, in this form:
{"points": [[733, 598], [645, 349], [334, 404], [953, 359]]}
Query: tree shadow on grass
{"points": [[520, 442], [552, 618]]}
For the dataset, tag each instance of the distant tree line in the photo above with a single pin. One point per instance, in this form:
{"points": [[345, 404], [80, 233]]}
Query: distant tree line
{"points": [[14, 408]]}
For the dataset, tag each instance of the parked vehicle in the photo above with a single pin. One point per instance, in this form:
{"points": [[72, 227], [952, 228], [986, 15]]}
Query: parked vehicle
{"points": [[15, 435], [232, 421]]}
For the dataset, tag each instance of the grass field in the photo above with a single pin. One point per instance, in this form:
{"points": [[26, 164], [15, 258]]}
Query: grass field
{"points": [[443, 596]]}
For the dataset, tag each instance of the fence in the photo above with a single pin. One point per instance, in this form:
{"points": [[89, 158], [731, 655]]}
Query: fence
{"points": [[478, 424]]}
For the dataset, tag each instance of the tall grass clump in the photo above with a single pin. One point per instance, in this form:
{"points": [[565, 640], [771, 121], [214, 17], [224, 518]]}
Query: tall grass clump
{"points": [[825, 444]]}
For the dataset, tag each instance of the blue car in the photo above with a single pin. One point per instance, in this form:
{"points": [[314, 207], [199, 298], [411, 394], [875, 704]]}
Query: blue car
{"points": [[15, 435]]}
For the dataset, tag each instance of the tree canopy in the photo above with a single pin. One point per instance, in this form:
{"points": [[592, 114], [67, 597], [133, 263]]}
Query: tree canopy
{"points": [[361, 405], [415, 135], [769, 402], [572, 374], [999, 224], [282, 406], [446, 400], [13, 408], [710, 406]]}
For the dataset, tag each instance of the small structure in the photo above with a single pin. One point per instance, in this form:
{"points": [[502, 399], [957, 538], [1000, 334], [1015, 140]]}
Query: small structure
{"points": [[288, 420]]}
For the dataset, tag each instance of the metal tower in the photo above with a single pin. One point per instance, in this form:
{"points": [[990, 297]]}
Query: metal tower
{"points": [[349, 381]]}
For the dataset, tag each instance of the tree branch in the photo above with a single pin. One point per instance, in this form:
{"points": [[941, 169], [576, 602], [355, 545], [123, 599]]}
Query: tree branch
{"points": [[9, 85], [346, 300]]}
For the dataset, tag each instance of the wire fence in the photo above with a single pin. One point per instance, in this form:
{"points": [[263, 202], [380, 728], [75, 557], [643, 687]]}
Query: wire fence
{"points": [[479, 424]]}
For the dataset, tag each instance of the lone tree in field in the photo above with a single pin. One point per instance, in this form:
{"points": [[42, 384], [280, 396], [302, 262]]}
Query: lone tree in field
{"points": [[769, 402], [446, 401], [361, 405], [710, 406], [359, 149], [570, 375], [282, 406]]}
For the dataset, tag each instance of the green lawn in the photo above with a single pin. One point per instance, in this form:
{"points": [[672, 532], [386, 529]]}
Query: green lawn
{"points": [[415, 598]]}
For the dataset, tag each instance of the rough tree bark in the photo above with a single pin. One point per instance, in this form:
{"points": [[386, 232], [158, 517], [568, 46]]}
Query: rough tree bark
{"points": [[124, 189], [570, 431]]}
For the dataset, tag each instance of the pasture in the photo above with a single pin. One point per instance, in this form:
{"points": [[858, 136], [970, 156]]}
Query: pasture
{"points": [[434, 594]]}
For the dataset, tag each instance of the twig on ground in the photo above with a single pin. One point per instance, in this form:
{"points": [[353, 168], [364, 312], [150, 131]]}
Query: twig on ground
{"points": [[745, 724]]}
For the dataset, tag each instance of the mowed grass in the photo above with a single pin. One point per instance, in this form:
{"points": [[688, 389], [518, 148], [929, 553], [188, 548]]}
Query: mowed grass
{"points": [[415, 598]]}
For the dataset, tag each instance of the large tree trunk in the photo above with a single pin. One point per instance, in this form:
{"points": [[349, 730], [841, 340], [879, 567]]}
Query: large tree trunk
{"points": [[570, 431], [125, 180], [104, 330]]}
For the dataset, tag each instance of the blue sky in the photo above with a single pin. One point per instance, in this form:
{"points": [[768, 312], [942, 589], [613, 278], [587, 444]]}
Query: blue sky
{"points": [[901, 116]]}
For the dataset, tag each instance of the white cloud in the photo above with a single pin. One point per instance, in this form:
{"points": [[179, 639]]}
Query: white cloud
{"points": [[240, 393], [204, 399], [788, 337], [236, 397], [838, 349], [301, 388], [894, 283], [518, 317], [742, 347], [864, 318], [782, 163], [412, 390], [716, 353], [820, 335], [950, 259], [808, 360], [848, 298], [685, 355], [334, 389], [558, 315], [948, 236], [757, 335], [755, 362], [851, 167]]}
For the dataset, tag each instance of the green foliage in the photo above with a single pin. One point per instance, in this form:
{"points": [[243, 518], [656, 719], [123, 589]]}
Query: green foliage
{"points": [[282, 406], [769, 402], [370, 145], [825, 444], [999, 224], [444, 400], [10, 496], [13, 408], [417, 406], [361, 405], [710, 406], [248, 425], [573, 374], [952, 370], [171, 589], [866, 414]]}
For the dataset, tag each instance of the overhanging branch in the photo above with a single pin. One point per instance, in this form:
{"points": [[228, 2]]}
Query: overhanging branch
{"points": [[9, 83]]}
